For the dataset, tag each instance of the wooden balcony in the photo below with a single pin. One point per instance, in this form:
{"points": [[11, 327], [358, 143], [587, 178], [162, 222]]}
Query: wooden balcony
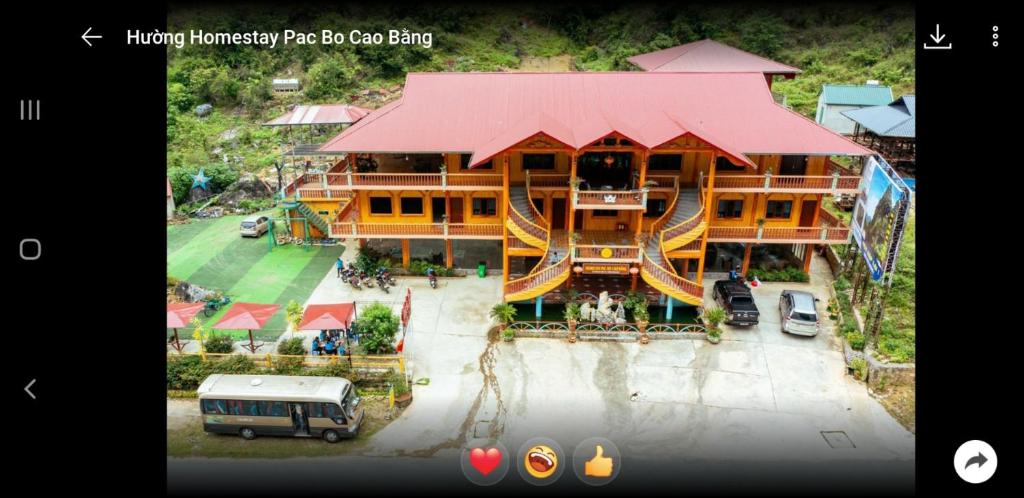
{"points": [[356, 230], [333, 185], [830, 184], [547, 181], [600, 253], [830, 230], [610, 199]]}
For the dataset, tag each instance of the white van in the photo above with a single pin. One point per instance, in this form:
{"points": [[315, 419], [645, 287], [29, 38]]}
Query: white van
{"points": [[255, 226]]}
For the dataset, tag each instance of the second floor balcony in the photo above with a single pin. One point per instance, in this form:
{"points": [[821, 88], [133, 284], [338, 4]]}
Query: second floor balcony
{"points": [[338, 185], [829, 230]]}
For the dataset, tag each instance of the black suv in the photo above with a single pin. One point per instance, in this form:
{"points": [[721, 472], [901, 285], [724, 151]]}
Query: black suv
{"points": [[736, 300]]}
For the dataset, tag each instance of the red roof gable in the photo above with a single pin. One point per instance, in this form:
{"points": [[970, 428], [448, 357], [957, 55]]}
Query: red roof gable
{"points": [[246, 316], [327, 316], [485, 113], [708, 56]]}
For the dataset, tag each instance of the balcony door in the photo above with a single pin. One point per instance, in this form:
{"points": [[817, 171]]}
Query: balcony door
{"points": [[456, 214], [793, 165], [437, 209], [558, 214], [807, 210]]}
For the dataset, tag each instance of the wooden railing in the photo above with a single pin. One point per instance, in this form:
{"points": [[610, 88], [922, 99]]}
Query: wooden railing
{"points": [[615, 253], [526, 225], [609, 199], [416, 230], [786, 183], [677, 283], [539, 281], [664, 181], [386, 181], [269, 360], [821, 234], [547, 180]]}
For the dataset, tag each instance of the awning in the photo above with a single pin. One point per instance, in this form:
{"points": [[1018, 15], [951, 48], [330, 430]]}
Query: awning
{"points": [[246, 316], [180, 315], [327, 316]]}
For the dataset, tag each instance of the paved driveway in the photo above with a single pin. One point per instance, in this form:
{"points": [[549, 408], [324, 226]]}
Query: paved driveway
{"points": [[759, 394]]}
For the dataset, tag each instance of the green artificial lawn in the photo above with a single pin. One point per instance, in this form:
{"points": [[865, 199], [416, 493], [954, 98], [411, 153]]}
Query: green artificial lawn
{"points": [[211, 254]]}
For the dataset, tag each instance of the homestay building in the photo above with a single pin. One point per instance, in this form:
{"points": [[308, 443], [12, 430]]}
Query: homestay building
{"points": [[888, 129], [639, 179], [710, 56], [835, 100]]}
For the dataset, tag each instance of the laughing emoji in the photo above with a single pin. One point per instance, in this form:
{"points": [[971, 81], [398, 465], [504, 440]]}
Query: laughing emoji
{"points": [[541, 461]]}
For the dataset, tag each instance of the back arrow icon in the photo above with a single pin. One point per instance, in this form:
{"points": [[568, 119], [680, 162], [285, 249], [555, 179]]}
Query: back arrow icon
{"points": [[28, 386], [86, 36]]}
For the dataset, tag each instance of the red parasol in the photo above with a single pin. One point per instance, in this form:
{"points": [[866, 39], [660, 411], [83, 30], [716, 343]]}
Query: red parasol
{"points": [[180, 315], [247, 316], [327, 316]]}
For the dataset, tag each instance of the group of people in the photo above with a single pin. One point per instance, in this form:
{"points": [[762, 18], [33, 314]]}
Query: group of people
{"points": [[331, 342]]}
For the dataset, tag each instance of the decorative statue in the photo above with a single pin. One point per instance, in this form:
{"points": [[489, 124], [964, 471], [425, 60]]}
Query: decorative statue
{"points": [[605, 314], [620, 313], [586, 312]]}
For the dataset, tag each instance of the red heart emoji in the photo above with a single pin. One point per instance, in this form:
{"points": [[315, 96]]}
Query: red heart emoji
{"points": [[485, 461]]}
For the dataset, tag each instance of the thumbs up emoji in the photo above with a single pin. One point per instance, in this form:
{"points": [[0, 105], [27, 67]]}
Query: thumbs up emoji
{"points": [[599, 466]]}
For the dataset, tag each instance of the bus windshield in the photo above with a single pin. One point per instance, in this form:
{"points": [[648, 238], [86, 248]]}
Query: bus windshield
{"points": [[349, 401]]}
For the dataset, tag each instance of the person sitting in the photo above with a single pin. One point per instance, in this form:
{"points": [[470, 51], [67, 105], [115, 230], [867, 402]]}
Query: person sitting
{"points": [[315, 348], [323, 335], [734, 274], [329, 348]]}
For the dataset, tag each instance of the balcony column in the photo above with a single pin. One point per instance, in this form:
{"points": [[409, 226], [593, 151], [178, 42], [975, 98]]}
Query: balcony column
{"points": [[405, 253], [644, 157], [668, 309], [448, 254], [504, 217], [571, 222], [808, 254], [746, 258], [708, 196], [539, 308]]}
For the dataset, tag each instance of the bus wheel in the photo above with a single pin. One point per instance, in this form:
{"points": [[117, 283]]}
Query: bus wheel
{"points": [[247, 433], [332, 436]]}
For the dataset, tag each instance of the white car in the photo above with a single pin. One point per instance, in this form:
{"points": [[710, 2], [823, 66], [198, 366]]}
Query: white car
{"points": [[799, 313], [255, 226]]}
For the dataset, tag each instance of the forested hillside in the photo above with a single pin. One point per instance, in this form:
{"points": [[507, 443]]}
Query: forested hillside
{"points": [[831, 43]]}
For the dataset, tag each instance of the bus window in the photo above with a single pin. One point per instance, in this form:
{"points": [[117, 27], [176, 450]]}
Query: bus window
{"points": [[314, 410], [215, 406], [333, 411], [234, 407], [251, 408], [273, 409]]}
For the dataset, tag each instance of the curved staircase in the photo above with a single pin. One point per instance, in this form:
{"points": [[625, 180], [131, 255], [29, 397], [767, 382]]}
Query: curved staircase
{"points": [[526, 224], [681, 224]]}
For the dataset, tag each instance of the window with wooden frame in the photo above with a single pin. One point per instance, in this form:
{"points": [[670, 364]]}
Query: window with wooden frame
{"points": [[538, 161], [665, 162], [723, 164], [381, 205], [411, 205], [730, 209], [778, 210], [605, 213], [485, 206]]}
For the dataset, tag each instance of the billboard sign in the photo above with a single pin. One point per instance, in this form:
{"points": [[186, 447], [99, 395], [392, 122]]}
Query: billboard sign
{"points": [[879, 204]]}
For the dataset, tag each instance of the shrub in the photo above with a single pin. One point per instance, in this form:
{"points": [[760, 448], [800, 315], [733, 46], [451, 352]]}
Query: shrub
{"points": [[186, 372], [503, 313], [398, 381], [377, 328], [332, 76], [788, 274], [291, 347], [714, 316], [860, 368], [572, 311], [339, 369], [234, 364], [370, 260], [841, 284], [420, 267], [287, 366], [856, 340], [218, 343]]}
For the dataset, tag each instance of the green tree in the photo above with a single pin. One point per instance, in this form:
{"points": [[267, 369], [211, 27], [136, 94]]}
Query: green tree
{"points": [[332, 76], [293, 313], [377, 327], [762, 35]]}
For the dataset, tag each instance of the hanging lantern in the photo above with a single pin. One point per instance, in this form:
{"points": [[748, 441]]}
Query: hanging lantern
{"points": [[577, 269], [609, 160], [634, 270]]}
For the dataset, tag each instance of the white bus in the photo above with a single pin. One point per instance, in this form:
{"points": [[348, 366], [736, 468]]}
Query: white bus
{"points": [[279, 405]]}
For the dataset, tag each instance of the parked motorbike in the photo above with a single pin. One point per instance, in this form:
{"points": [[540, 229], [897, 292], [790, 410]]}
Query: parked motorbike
{"points": [[365, 279], [386, 275], [350, 276], [382, 283], [433, 281]]}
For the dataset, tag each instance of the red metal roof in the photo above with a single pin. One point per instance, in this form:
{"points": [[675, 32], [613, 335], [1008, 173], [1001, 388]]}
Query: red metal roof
{"points": [[485, 113], [708, 56], [327, 316], [180, 314], [246, 316], [319, 114]]}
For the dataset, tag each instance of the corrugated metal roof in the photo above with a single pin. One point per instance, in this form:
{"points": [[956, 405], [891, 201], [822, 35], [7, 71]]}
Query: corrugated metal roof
{"points": [[857, 94], [897, 119], [319, 114], [483, 112], [708, 56]]}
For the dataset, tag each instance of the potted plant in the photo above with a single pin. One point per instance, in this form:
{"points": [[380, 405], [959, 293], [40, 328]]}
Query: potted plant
{"points": [[572, 317], [504, 314], [574, 183], [642, 318], [403, 392], [713, 317]]}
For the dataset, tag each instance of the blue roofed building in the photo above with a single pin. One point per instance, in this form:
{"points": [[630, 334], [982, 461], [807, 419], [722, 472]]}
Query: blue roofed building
{"points": [[836, 99], [888, 129]]}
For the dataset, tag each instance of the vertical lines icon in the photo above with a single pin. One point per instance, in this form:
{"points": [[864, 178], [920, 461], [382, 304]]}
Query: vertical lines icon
{"points": [[30, 110]]}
